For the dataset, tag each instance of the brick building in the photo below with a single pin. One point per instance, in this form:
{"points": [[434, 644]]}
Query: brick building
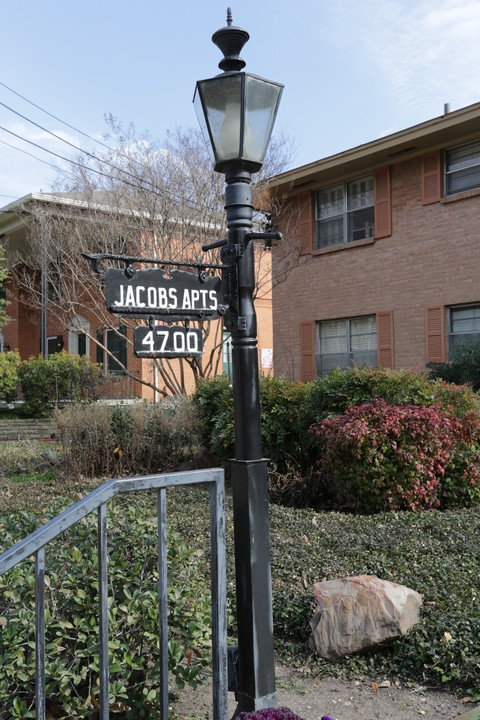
{"points": [[83, 330], [380, 261]]}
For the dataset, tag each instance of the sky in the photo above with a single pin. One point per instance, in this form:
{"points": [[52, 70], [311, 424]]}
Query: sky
{"points": [[353, 71]]}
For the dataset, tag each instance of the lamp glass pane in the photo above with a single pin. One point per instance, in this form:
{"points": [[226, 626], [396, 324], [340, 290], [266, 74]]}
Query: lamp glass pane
{"points": [[218, 103], [262, 98]]}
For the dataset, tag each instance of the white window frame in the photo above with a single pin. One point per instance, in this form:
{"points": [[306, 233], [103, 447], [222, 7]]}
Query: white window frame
{"points": [[469, 167], [456, 337], [80, 326], [350, 355], [347, 213]]}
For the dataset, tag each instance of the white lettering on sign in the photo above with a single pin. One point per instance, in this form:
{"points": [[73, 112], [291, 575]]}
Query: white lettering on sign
{"points": [[160, 298], [182, 341]]}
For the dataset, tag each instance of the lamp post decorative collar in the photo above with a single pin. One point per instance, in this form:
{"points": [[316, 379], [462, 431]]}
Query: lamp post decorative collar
{"points": [[230, 40]]}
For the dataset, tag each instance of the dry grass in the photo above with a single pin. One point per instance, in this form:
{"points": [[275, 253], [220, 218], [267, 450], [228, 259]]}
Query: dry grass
{"points": [[30, 477]]}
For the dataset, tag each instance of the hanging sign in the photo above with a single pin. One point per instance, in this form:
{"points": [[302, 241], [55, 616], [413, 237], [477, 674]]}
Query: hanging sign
{"points": [[173, 296], [167, 341]]}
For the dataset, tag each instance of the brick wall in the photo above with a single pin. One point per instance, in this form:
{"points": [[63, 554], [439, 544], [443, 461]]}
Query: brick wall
{"points": [[431, 258]]}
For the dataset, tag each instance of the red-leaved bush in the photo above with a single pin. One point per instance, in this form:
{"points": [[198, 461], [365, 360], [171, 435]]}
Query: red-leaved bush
{"points": [[401, 457]]}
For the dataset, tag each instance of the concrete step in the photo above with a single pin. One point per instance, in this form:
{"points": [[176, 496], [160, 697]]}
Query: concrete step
{"points": [[20, 429]]}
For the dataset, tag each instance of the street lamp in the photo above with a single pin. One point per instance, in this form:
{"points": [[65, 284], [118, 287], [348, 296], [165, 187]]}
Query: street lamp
{"points": [[237, 111]]}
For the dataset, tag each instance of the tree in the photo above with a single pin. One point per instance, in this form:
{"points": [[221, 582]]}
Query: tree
{"points": [[3, 276], [141, 197]]}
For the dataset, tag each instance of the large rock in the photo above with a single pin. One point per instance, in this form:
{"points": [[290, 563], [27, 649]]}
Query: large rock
{"points": [[359, 612]]}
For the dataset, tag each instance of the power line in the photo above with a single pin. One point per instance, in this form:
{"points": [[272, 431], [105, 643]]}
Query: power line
{"points": [[25, 152], [67, 142], [81, 165], [139, 182], [55, 117]]}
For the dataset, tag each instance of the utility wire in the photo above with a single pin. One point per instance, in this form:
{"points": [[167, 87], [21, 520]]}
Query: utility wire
{"points": [[72, 145], [25, 152], [61, 157], [82, 166], [138, 181], [55, 117]]}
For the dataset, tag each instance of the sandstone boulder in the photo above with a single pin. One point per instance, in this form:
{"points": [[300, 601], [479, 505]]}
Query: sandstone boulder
{"points": [[357, 613]]}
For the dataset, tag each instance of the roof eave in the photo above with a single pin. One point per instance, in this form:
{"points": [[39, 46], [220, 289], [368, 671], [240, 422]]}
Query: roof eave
{"points": [[433, 134]]}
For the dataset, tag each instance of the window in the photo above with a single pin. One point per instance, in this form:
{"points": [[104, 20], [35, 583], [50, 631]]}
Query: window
{"points": [[462, 168], [346, 212], [116, 343], [54, 344], [78, 342], [463, 324], [342, 343]]}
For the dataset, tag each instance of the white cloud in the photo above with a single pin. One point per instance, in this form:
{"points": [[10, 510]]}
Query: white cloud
{"points": [[420, 54], [429, 54], [24, 166]]}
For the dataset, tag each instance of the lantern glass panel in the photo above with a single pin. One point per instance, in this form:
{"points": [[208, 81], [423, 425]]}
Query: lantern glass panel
{"points": [[218, 104], [261, 103]]}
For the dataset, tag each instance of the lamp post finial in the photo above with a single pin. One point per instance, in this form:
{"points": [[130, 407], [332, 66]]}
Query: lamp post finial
{"points": [[230, 40]]}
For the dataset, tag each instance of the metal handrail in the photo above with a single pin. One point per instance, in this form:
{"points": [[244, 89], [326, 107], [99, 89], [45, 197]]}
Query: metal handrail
{"points": [[35, 544]]}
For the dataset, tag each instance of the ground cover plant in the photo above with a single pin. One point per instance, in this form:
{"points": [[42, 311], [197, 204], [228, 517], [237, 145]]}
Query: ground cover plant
{"points": [[71, 599], [434, 553], [404, 430]]}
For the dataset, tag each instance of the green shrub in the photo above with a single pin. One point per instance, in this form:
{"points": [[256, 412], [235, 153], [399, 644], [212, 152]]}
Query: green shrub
{"points": [[285, 440], [213, 402], [340, 389], [101, 440], [72, 666], [401, 457], [9, 378], [288, 410], [458, 400], [61, 376], [463, 367]]}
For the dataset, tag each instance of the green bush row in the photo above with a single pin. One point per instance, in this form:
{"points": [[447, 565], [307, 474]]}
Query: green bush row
{"points": [[289, 411], [71, 599], [47, 381]]}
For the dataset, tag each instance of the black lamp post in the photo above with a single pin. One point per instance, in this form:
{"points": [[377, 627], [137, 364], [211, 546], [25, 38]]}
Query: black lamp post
{"points": [[236, 111]]}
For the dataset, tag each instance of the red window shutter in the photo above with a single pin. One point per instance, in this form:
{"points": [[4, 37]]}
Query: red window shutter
{"points": [[431, 176], [435, 332], [383, 203], [385, 340], [308, 364], [305, 223]]}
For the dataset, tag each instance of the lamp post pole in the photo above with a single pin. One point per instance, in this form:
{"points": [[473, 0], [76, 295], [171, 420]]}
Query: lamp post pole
{"points": [[236, 111], [256, 670]]}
